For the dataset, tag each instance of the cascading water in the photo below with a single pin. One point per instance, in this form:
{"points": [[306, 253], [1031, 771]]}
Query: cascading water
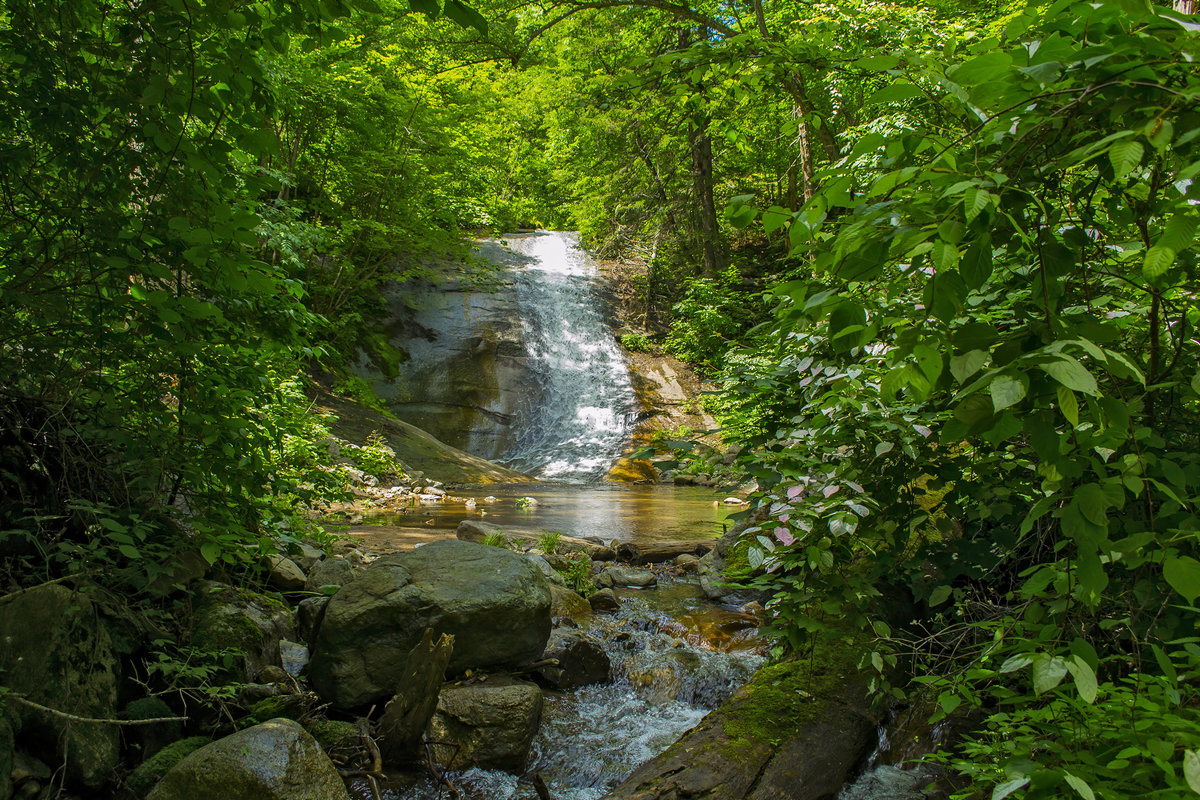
{"points": [[667, 674], [580, 420]]}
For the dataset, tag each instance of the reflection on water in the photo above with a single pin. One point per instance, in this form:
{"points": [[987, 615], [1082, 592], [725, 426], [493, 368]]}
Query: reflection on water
{"points": [[607, 511]]}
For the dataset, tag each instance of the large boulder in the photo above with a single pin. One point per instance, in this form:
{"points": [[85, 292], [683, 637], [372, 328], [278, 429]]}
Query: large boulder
{"points": [[57, 652], [494, 602], [489, 725], [277, 760], [225, 618]]}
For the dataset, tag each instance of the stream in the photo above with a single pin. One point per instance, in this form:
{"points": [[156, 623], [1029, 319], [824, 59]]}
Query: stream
{"points": [[675, 656]]}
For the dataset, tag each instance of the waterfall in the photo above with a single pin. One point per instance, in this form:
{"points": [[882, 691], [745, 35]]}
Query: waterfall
{"points": [[578, 421]]}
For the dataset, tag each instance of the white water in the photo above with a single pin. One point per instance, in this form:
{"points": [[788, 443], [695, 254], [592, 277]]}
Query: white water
{"points": [[582, 417], [592, 738]]}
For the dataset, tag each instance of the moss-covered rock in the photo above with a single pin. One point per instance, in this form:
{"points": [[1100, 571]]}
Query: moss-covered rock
{"points": [[55, 650], [797, 730], [277, 760], [253, 624], [334, 735], [151, 771], [149, 739]]}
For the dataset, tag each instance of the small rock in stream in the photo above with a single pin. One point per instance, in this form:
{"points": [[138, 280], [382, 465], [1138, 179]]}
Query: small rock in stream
{"points": [[604, 600]]}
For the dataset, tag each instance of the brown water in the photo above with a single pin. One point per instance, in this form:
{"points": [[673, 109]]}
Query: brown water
{"points": [[608, 511]]}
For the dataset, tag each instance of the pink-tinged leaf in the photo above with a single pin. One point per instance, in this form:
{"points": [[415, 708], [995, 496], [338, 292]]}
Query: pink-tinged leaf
{"points": [[784, 517], [921, 429], [784, 536], [795, 491], [830, 491]]}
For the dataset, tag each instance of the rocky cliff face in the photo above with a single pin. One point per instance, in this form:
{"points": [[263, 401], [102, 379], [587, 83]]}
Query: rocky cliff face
{"points": [[525, 371]]}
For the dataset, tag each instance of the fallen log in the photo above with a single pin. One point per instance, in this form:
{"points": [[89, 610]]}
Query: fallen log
{"points": [[657, 552]]}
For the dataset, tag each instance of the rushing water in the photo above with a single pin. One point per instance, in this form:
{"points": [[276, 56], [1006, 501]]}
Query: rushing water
{"points": [[675, 657], [582, 418]]}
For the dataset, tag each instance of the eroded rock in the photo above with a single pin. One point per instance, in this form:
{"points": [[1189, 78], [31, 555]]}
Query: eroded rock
{"points": [[495, 604]]}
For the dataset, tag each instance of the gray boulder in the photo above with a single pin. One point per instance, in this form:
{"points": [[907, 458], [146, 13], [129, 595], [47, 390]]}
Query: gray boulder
{"points": [[284, 574], [494, 602], [581, 661], [489, 725], [621, 575], [277, 760], [225, 618], [332, 571], [56, 651]]}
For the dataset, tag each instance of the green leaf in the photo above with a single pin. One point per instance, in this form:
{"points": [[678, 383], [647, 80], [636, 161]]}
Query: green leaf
{"points": [[1085, 679], [1191, 769], [945, 256], [1183, 575], [1181, 232], [1068, 405], [1080, 786], [1125, 155], [977, 265], [1048, 672], [975, 202], [1007, 390], [964, 366], [465, 16], [982, 68], [1071, 374], [1003, 790], [894, 93], [1093, 503], [129, 551], [211, 552], [755, 557], [430, 8], [939, 595], [1158, 260], [1014, 663]]}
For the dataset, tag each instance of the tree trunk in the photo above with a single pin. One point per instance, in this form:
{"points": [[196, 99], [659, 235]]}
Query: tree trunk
{"points": [[707, 232], [1187, 6]]}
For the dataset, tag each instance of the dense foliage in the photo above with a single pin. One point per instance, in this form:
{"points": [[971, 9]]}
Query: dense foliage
{"points": [[942, 259], [985, 397]]}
